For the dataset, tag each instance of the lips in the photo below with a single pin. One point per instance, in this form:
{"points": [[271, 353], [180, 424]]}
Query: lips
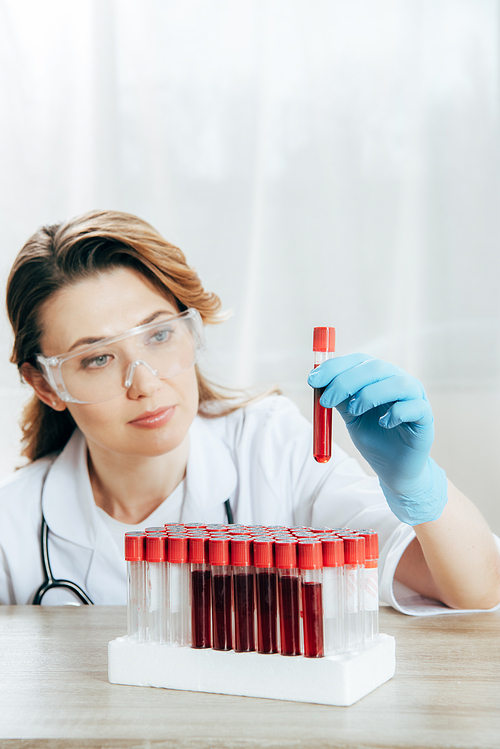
{"points": [[152, 416]]}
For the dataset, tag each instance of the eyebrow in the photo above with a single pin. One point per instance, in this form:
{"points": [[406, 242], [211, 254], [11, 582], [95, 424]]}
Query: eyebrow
{"points": [[89, 341]]}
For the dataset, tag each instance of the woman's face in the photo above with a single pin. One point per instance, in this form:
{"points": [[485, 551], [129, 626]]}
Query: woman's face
{"points": [[107, 305]]}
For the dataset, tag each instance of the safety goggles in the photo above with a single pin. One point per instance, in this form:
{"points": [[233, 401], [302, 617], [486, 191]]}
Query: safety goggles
{"points": [[103, 370]]}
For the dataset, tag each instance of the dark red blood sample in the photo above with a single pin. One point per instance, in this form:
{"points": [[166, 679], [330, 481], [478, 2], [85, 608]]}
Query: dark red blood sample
{"points": [[289, 615], [322, 447], [267, 612], [244, 611], [312, 606], [201, 584], [222, 638]]}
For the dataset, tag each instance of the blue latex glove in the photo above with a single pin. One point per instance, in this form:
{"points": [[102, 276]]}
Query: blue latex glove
{"points": [[390, 421]]}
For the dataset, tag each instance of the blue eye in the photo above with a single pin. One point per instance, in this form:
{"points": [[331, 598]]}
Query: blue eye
{"points": [[161, 336], [96, 363]]}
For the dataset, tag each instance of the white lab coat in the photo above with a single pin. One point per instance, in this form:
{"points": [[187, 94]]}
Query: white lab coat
{"points": [[259, 457]]}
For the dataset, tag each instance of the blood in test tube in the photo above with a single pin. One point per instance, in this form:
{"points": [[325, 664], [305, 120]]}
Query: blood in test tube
{"points": [[311, 572], [288, 596], [354, 560], [156, 557], [267, 595], [201, 592], [154, 529], [323, 348], [370, 586], [135, 556], [333, 593], [222, 624], [244, 594]]}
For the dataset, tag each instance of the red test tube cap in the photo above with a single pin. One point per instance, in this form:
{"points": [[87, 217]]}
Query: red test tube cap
{"points": [[263, 552], [135, 547], [241, 551], [371, 543], [198, 549], [310, 555], [354, 549], [156, 548], [324, 339], [333, 551], [177, 549], [218, 551], [286, 554]]}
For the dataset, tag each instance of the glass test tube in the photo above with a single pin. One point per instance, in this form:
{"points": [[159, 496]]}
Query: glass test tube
{"points": [[222, 620], [267, 595], [323, 348], [354, 559], [370, 586], [243, 593], [179, 617], [311, 573], [135, 556], [156, 556], [288, 596], [333, 594], [201, 593]]}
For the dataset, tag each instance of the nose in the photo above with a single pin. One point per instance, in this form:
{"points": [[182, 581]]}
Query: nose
{"points": [[130, 372]]}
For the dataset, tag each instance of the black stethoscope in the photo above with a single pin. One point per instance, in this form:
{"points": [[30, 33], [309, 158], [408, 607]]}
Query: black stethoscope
{"points": [[50, 582]]}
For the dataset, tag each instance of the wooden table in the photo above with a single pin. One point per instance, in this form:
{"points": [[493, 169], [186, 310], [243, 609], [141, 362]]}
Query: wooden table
{"points": [[54, 691]]}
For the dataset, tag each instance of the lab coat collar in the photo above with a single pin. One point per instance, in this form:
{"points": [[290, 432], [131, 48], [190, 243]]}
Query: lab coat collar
{"points": [[211, 475], [68, 503]]}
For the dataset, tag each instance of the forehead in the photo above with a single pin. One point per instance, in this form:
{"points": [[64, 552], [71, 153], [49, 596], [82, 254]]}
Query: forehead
{"points": [[105, 305]]}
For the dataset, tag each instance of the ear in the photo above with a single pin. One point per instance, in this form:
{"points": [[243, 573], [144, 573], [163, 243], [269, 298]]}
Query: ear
{"points": [[41, 387]]}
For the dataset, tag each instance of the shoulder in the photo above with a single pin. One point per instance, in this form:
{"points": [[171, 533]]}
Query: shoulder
{"points": [[270, 433], [273, 415], [19, 490]]}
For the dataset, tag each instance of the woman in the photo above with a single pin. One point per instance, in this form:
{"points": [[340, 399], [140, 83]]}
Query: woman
{"points": [[124, 432]]}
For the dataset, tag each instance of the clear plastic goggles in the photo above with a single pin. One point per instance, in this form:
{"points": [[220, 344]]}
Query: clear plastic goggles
{"points": [[105, 369]]}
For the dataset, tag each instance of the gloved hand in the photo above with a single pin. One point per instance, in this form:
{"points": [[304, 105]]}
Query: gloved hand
{"points": [[390, 421]]}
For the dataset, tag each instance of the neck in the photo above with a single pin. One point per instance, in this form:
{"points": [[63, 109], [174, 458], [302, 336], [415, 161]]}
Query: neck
{"points": [[129, 488]]}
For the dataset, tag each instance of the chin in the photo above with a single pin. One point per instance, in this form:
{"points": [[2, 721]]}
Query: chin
{"points": [[153, 445]]}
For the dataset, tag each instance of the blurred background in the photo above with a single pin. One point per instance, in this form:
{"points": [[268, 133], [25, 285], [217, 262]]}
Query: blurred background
{"points": [[320, 163]]}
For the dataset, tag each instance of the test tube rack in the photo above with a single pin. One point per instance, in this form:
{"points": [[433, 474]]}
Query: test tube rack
{"points": [[335, 680], [325, 650]]}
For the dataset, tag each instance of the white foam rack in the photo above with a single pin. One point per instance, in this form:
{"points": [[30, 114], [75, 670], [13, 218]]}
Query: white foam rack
{"points": [[337, 680]]}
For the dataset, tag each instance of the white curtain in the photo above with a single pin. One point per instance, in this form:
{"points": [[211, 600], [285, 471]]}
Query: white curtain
{"points": [[320, 163]]}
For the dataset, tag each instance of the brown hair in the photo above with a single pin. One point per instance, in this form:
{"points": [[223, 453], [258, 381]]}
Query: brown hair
{"points": [[62, 254]]}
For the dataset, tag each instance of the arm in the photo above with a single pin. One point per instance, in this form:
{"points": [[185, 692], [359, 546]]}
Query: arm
{"points": [[454, 558], [386, 411]]}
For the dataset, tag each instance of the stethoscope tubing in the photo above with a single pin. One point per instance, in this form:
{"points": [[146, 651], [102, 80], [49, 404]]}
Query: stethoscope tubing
{"points": [[50, 582]]}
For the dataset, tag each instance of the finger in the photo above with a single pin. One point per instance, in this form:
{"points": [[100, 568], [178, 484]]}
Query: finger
{"points": [[417, 411], [399, 387], [348, 383], [322, 375]]}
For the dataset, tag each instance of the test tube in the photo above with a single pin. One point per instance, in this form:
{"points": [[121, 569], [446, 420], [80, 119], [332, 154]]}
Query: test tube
{"points": [[156, 556], [288, 596], [311, 573], [333, 594], [201, 593], [370, 586], [135, 556], [323, 348], [222, 624], [267, 595], [244, 594], [354, 560], [179, 619]]}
